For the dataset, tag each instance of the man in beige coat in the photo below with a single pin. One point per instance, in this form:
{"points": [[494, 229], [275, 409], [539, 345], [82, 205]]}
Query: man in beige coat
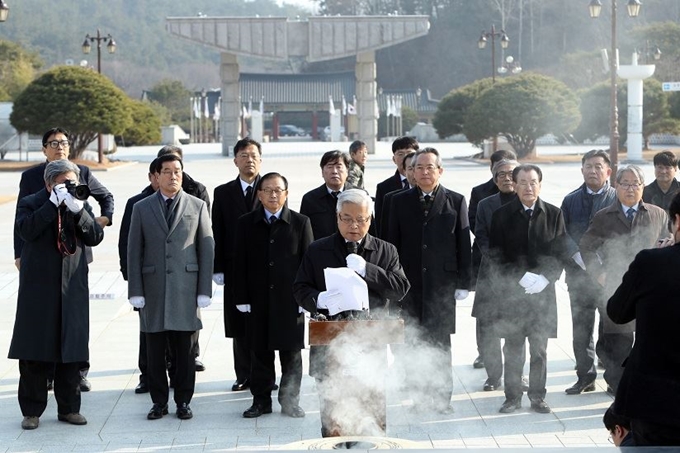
{"points": [[170, 263], [615, 235]]}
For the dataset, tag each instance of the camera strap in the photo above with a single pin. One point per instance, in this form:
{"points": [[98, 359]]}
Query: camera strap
{"points": [[66, 243]]}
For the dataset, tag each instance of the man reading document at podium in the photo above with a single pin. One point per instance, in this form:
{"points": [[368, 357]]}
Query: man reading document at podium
{"points": [[375, 261]]}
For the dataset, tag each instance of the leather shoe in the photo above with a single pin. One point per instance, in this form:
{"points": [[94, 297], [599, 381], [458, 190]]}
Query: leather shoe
{"points": [[491, 385], [74, 419], [50, 384], [240, 385], [157, 411], [30, 422], [199, 365], [256, 410], [85, 385], [184, 411], [540, 406], [510, 405], [478, 363], [582, 385], [142, 387], [294, 411]]}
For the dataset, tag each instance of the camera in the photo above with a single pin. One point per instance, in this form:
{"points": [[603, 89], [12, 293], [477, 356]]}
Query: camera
{"points": [[77, 191]]}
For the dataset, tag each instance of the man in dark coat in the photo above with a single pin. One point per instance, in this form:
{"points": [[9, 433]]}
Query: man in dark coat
{"points": [[578, 208], [400, 148], [55, 145], [170, 260], [319, 204], [376, 261], [649, 392], [407, 164], [479, 193], [429, 226], [488, 343], [662, 190], [615, 235], [271, 242], [231, 201], [52, 317], [526, 248]]}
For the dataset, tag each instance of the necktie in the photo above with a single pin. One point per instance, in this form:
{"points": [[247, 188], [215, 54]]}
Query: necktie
{"points": [[352, 247], [168, 203], [249, 197], [405, 182], [272, 219], [630, 213], [529, 212], [335, 194], [427, 199]]}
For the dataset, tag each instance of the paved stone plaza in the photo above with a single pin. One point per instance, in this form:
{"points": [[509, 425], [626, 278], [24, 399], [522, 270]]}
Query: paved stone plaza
{"points": [[117, 416]]}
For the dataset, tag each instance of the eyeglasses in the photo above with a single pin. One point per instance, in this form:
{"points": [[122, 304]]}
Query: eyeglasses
{"points": [[634, 186], [350, 221], [504, 174], [171, 172], [54, 144], [278, 191]]}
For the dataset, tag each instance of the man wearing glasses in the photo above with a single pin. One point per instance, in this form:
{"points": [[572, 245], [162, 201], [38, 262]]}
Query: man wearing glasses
{"points": [[429, 226], [56, 146], [270, 243], [615, 235], [374, 260]]}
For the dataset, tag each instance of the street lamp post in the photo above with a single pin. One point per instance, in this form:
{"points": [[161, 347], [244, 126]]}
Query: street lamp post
{"points": [[481, 43], [595, 9], [111, 47], [4, 10], [510, 65]]}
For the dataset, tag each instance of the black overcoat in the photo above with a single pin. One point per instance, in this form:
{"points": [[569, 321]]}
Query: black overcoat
{"points": [[269, 256], [52, 319], [320, 207], [383, 188], [385, 278], [435, 252], [229, 204], [518, 245]]}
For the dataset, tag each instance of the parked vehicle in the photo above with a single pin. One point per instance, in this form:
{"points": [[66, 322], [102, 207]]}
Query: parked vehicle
{"points": [[289, 130]]}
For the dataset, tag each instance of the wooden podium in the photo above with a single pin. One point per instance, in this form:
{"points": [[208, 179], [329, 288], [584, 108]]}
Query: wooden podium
{"points": [[352, 396]]}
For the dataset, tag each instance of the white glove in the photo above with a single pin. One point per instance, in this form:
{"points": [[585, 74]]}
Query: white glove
{"points": [[218, 278], [528, 279], [330, 300], [302, 310], [578, 259], [461, 294], [73, 204], [540, 284], [61, 191], [244, 308], [203, 301], [137, 301], [53, 198], [356, 263]]}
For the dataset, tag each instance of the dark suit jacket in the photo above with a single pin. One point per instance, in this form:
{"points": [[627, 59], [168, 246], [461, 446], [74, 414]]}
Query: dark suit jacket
{"points": [[269, 257], [516, 246], [125, 228], [389, 185], [478, 193], [229, 204], [33, 181], [435, 253], [611, 242], [319, 206], [386, 205], [650, 386], [384, 277]]}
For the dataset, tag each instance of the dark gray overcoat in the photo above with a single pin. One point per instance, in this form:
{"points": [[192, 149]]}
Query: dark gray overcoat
{"points": [[53, 313], [170, 265]]}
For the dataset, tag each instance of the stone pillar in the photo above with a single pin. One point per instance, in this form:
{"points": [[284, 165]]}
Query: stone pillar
{"points": [[231, 107], [366, 90], [635, 74]]}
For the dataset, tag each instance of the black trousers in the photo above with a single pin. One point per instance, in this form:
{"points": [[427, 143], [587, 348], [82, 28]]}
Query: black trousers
{"points": [[33, 391], [651, 434], [583, 323], [242, 363], [613, 350], [490, 347], [263, 377], [514, 363], [185, 366]]}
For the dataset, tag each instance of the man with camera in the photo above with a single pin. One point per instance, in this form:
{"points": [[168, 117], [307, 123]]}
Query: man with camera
{"points": [[54, 226], [56, 146]]}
